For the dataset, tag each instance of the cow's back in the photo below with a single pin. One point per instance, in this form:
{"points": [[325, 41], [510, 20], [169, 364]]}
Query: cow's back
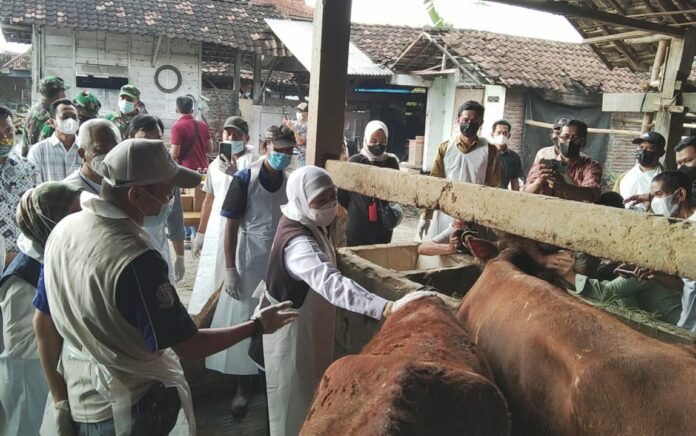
{"points": [[419, 375], [568, 368]]}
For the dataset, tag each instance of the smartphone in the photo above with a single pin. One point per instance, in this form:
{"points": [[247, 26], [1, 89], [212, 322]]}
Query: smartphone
{"points": [[226, 149], [558, 166]]}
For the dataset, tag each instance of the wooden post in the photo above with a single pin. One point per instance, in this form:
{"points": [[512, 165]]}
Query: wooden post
{"points": [[654, 75], [257, 91], [237, 81], [327, 81], [676, 71]]}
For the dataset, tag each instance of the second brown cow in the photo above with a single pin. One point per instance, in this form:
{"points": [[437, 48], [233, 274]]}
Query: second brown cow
{"points": [[567, 368]]}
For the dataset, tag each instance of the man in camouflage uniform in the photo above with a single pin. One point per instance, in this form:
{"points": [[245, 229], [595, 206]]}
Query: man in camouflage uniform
{"points": [[127, 109], [87, 105], [36, 126]]}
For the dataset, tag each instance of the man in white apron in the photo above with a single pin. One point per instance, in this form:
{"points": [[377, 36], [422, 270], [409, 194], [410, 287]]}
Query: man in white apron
{"points": [[252, 210], [636, 181], [466, 157], [208, 243], [113, 304]]}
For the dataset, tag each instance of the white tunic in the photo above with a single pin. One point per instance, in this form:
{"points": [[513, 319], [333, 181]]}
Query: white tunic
{"points": [[637, 181]]}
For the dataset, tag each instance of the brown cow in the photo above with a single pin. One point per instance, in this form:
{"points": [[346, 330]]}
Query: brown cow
{"points": [[567, 368], [420, 375]]}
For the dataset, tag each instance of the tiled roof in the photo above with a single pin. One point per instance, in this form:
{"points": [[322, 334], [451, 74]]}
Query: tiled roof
{"points": [[382, 43], [15, 61], [538, 63], [232, 23]]}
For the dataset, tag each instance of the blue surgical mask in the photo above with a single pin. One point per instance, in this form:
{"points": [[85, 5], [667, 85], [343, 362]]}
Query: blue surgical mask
{"points": [[279, 160], [126, 106], [237, 146]]}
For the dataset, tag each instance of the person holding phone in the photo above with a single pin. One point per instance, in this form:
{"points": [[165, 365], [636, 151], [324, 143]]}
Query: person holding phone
{"points": [[235, 154]]}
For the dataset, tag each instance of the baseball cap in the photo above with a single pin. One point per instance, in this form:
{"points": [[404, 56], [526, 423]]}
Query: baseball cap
{"points": [[237, 123], [138, 162], [651, 137], [559, 123], [280, 136], [302, 107], [130, 91]]}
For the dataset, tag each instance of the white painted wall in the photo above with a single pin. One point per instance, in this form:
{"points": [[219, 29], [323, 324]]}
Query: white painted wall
{"points": [[131, 55], [494, 109], [439, 113]]}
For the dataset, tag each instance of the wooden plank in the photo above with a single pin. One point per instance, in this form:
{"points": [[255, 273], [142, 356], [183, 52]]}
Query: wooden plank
{"points": [[589, 130], [606, 232], [569, 10], [616, 37], [327, 81]]}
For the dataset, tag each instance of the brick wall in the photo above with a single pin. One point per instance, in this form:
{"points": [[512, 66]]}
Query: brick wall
{"points": [[514, 113], [219, 108], [620, 149]]}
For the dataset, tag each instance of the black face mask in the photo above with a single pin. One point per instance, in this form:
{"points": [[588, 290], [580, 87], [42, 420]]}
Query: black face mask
{"points": [[646, 157], [377, 150], [690, 172], [469, 129], [569, 149]]}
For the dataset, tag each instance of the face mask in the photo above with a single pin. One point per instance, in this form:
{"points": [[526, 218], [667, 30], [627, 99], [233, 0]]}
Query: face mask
{"points": [[298, 116], [377, 150], [97, 163], [126, 106], [569, 149], [278, 160], [500, 140], [325, 215], [68, 126], [237, 146], [663, 205], [160, 219], [469, 129], [690, 172], [6, 145], [146, 215], [646, 157]]}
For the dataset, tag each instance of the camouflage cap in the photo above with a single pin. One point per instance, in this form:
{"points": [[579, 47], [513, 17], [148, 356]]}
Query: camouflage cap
{"points": [[130, 91], [88, 101], [52, 84]]}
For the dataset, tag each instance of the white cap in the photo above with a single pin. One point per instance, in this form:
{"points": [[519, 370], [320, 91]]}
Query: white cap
{"points": [[138, 162]]}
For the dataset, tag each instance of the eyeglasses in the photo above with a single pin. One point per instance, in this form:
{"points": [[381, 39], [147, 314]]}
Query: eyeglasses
{"points": [[567, 137]]}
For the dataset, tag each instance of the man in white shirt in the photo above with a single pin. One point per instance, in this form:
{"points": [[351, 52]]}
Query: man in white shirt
{"points": [[651, 147], [56, 156]]}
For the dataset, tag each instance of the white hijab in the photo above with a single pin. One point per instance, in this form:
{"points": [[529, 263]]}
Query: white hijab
{"points": [[371, 128], [303, 186]]}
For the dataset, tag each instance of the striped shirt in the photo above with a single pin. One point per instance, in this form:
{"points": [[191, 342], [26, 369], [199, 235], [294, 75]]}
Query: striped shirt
{"points": [[52, 161]]}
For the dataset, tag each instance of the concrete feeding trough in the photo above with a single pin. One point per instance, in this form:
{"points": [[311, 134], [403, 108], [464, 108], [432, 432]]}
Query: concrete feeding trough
{"points": [[393, 270]]}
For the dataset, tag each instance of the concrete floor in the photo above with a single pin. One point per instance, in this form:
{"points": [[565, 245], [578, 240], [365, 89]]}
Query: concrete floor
{"points": [[211, 405]]}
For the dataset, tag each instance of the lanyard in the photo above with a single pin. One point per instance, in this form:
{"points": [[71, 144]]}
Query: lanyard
{"points": [[87, 184]]}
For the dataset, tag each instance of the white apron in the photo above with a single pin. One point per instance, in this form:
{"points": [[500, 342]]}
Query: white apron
{"points": [[296, 357], [460, 167], [254, 242], [637, 182], [211, 265]]}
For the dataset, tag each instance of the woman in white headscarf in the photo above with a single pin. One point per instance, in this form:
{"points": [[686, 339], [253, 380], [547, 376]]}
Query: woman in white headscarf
{"points": [[302, 269], [365, 224]]}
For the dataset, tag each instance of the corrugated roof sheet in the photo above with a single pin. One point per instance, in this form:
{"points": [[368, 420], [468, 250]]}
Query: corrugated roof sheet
{"points": [[297, 36]]}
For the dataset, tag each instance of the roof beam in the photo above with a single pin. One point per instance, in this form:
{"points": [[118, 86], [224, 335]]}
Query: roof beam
{"points": [[566, 9], [660, 14], [616, 37]]}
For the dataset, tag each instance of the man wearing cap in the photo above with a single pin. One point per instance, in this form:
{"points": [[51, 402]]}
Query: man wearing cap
{"points": [[128, 100], [299, 127], [636, 181], [191, 139], [120, 318], [56, 156], [36, 126], [252, 210], [87, 105], [235, 155]]}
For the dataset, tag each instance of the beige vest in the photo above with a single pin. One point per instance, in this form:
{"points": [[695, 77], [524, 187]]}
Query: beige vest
{"points": [[105, 361]]}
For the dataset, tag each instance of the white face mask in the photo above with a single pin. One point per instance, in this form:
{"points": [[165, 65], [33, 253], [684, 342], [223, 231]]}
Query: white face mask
{"points": [[324, 216], [97, 163], [298, 115], [663, 205], [126, 106], [500, 140], [68, 126]]}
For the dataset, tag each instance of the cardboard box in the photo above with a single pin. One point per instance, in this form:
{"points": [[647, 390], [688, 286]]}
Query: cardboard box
{"points": [[187, 202]]}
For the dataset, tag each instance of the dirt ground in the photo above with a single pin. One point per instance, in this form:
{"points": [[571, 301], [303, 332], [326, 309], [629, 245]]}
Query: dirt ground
{"points": [[212, 404]]}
